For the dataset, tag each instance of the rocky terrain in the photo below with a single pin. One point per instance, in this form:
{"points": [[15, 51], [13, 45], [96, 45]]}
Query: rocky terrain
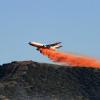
{"points": [[28, 80]]}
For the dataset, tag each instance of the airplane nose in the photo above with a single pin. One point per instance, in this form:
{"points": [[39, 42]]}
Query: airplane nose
{"points": [[29, 43]]}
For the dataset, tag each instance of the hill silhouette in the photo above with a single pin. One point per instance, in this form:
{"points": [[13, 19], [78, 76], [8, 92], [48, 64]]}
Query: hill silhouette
{"points": [[29, 80]]}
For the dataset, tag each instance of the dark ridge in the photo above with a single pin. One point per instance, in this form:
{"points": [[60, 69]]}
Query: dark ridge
{"points": [[28, 80]]}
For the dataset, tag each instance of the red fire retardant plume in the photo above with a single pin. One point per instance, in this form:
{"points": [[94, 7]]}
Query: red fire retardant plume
{"points": [[70, 59]]}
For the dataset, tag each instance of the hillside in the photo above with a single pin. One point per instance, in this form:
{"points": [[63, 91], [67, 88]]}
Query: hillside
{"points": [[28, 80]]}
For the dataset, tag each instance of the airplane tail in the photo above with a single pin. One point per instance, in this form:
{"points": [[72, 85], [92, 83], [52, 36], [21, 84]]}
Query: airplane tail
{"points": [[59, 47], [56, 47]]}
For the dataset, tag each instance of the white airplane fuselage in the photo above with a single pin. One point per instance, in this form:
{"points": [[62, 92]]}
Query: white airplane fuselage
{"points": [[35, 44], [53, 46]]}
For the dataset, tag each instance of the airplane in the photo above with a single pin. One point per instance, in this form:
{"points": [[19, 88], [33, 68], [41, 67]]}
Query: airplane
{"points": [[52, 46]]}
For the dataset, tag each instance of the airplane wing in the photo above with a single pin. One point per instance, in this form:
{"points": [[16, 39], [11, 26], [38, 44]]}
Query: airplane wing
{"points": [[53, 44]]}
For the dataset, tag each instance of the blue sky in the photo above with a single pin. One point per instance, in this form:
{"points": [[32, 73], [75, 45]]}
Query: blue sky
{"points": [[76, 23]]}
